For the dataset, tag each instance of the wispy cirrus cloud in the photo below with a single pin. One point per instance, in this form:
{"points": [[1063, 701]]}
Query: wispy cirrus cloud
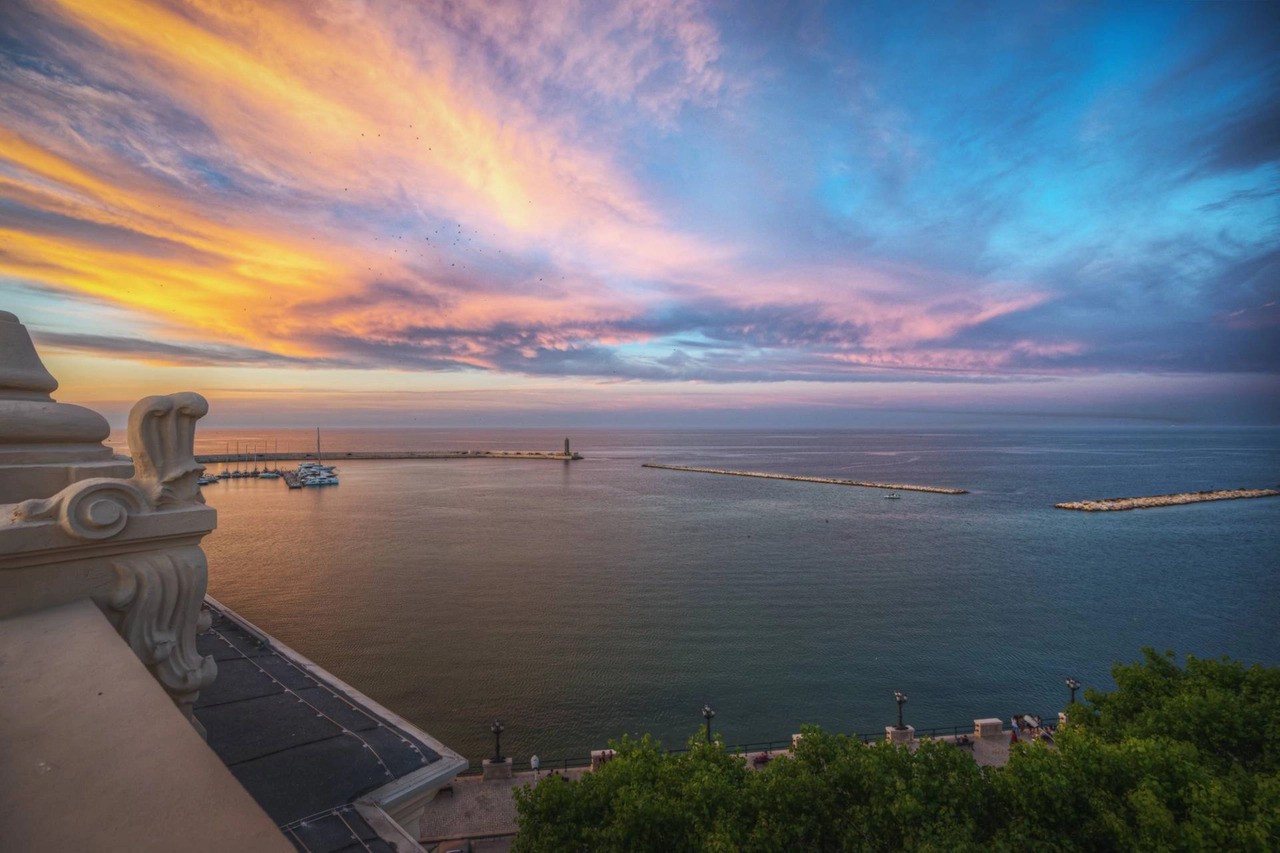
{"points": [[651, 191]]}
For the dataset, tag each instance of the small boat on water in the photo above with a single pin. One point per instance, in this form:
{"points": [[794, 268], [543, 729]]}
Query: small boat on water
{"points": [[893, 496]]}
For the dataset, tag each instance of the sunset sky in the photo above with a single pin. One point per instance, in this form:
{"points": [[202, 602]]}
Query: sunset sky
{"points": [[656, 213]]}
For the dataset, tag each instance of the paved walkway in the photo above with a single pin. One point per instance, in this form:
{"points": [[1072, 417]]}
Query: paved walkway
{"points": [[987, 751], [477, 808], [485, 812]]}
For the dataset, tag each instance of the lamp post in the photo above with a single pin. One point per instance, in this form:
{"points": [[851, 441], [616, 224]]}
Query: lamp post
{"points": [[496, 728], [901, 700], [1073, 686], [707, 714]]}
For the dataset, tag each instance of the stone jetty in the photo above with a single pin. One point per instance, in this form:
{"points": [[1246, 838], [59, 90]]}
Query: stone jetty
{"points": [[897, 487], [333, 456], [1118, 504]]}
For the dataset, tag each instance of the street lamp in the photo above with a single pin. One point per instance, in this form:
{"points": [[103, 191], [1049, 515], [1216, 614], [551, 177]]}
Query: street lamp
{"points": [[901, 700], [496, 728], [707, 714], [1073, 686]]}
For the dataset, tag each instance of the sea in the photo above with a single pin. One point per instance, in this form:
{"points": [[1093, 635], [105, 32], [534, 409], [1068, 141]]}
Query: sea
{"points": [[575, 602]]}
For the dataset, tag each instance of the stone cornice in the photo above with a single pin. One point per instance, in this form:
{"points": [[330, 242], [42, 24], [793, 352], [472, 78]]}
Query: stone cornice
{"points": [[32, 542]]}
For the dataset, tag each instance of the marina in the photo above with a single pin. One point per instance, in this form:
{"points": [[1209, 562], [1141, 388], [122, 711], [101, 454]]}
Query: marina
{"points": [[897, 487], [286, 456], [312, 472], [1120, 504]]}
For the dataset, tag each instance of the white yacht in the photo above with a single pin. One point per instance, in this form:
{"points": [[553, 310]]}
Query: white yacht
{"points": [[317, 473]]}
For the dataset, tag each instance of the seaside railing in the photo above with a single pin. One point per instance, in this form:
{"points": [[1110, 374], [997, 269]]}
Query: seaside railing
{"points": [[520, 765]]}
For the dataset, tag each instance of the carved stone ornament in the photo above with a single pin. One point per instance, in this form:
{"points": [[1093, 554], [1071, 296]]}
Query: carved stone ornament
{"points": [[90, 509], [162, 432], [162, 440], [158, 591], [155, 606]]}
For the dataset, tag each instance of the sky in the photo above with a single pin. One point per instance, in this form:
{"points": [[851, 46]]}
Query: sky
{"points": [[655, 213]]}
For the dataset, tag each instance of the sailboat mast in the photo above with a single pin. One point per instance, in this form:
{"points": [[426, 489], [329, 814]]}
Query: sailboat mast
{"points": [[317, 445]]}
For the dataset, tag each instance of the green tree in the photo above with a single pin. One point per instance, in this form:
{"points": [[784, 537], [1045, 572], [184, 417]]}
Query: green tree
{"points": [[1229, 712], [1176, 758]]}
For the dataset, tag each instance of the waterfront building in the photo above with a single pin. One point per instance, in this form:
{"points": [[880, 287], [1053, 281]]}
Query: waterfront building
{"points": [[139, 713]]}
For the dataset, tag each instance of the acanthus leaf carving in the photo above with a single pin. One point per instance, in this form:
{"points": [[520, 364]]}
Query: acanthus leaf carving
{"points": [[155, 606]]}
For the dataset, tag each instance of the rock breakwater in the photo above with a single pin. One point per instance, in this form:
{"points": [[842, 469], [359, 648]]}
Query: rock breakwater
{"points": [[1117, 504], [897, 487]]}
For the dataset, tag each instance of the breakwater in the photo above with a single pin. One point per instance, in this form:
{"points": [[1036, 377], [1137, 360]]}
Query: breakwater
{"points": [[1118, 504], [335, 455], [897, 487]]}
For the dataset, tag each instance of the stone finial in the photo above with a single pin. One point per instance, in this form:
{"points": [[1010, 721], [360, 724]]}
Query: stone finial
{"points": [[22, 374], [45, 446]]}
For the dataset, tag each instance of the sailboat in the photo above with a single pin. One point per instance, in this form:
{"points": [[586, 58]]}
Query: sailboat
{"points": [[317, 473], [271, 473]]}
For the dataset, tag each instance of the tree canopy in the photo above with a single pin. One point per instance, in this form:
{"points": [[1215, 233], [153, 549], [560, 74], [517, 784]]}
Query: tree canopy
{"points": [[1176, 758]]}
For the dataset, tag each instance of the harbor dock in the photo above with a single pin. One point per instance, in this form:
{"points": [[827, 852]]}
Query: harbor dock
{"points": [[335, 455], [1119, 504], [897, 487]]}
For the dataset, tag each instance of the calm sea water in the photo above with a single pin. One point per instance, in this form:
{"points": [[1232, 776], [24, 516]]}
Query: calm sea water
{"points": [[578, 601]]}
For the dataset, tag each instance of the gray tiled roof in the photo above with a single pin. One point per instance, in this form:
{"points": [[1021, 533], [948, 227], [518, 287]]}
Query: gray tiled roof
{"points": [[301, 746], [341, 830]]}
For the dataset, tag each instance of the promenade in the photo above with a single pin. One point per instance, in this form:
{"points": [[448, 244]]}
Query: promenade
{"points": [[484, 812]]}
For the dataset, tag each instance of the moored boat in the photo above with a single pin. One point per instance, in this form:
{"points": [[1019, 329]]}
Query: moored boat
{"points": [[317, 473]]}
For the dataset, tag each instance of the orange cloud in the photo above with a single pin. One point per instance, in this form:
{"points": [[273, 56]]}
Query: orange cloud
{"points": [[323, 182]]}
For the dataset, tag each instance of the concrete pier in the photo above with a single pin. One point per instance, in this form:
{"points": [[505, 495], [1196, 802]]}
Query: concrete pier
{"points": [[1119, 504], [897, 487], [336, 455]]}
